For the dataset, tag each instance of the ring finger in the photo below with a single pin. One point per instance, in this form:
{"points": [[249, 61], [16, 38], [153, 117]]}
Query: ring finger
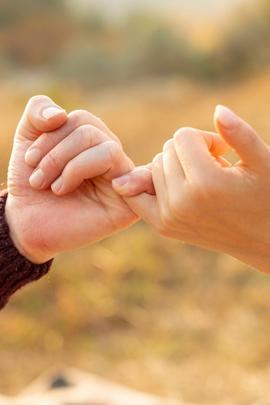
{"points": [[52, 165]]}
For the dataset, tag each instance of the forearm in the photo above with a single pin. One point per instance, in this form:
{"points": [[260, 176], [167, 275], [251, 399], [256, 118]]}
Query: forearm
{"points": [[15, 270]]}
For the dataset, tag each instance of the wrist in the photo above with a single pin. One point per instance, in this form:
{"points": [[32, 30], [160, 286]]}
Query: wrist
{"points": [[23, 240], [15, 270]]}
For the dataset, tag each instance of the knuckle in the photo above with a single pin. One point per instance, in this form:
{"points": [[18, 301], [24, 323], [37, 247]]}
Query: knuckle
{"points": [[80, 112], [80, 117], [114, 150], [168, 145], [181, 133], [86, 134], [158, 160], [45, 142], [51, 162]]}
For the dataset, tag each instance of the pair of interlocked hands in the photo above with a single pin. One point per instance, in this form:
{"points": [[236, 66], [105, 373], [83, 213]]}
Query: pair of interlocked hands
{"points": [[70, 183]]}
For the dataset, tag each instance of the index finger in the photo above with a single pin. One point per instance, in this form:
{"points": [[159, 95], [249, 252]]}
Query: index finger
{"points": [[197, 150], [49, 140]]}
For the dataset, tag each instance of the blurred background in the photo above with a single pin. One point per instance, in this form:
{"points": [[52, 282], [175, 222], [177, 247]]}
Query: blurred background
{"points": [[138, 309]]}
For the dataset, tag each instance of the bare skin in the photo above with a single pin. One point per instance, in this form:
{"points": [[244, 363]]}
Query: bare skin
{"points": [[189, 192], [201, 198], [84, 156]]}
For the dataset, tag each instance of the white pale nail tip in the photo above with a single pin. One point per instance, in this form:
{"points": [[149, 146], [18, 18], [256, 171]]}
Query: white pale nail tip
{"points": [[33, 156], [51, 112], [57, 185]]}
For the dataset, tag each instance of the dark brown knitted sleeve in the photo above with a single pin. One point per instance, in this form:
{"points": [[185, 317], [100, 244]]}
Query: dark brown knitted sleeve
{"points": [[15, 270]]}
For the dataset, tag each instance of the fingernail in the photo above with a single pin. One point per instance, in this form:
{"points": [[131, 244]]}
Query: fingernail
{"points": [[226, 117], [32, 157], [37, 179], [51, 112], [121, 184], [57, 185]]}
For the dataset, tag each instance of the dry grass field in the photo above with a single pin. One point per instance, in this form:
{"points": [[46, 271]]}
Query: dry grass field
{"points": [[138, 309]]}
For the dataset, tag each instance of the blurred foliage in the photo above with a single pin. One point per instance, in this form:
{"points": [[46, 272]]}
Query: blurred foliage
{"points": [[244, 46], [93, 50], [32, 32], [138, 309]]}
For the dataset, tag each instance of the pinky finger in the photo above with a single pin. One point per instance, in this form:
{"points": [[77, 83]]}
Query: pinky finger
{"points": [[136, 182], [89, 164]]}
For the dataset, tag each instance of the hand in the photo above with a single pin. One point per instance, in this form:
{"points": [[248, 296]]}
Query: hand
{"points": [[69, 151], [202, 199]]}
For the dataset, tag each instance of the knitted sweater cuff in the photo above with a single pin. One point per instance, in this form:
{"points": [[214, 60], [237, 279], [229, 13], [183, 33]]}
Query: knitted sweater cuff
{"points": [[15, 270]]}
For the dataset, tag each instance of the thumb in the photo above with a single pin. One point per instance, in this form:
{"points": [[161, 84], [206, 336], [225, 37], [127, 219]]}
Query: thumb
{"points": [[40, 115], [240, 136]]}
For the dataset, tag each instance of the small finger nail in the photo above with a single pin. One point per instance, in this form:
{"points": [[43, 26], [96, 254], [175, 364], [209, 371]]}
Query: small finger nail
{"points": [[57, 185], [226, 117], [32, 157], [37, 179], [52, 112], [121, 184]]}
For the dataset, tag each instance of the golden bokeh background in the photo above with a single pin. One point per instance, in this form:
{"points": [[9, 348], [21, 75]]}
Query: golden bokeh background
{"points": [[141, 310]]}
